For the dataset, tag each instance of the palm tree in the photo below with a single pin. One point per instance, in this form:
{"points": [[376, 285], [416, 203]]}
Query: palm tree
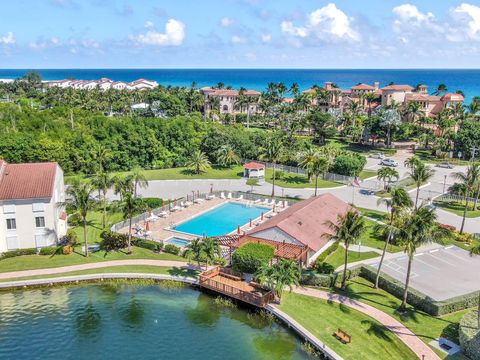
{"points": [[468, 182], [129, 207], [418, 228], [226, 156], [390, 119], [284, 273], [398, 203], [198, 162], [348, 229], [103, 181], [420, 173], [193, 251], [139, 180], [370, 98], [386, 174], [414, 111], [210, 250], [81, 202], [272, 153], [319, 166], [441, 89], [122, 184], [306, 160]]}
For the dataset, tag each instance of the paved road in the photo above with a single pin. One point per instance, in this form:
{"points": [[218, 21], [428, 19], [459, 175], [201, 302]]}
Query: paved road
{"points": [[169, 189]]}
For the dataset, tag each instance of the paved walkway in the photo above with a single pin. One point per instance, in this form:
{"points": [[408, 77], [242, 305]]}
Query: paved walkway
{"points": [[99, 265], [422, 350]]}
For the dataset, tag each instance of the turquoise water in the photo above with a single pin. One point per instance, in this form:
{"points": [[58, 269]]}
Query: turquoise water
{"points": [[135, 322], [177, 241], [456, 79], [221, 220]]}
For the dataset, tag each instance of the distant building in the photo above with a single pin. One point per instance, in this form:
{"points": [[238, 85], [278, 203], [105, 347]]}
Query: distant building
{"points": [[103, 84], [227, 100], [31, 211]]}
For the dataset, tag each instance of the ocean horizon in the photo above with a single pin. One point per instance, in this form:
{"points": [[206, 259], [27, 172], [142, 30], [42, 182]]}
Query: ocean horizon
{"points": [[466, 80]]}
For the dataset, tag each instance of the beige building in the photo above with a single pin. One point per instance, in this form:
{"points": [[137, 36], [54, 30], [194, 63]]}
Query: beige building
{"points": [[31, 211], [227, 99]]}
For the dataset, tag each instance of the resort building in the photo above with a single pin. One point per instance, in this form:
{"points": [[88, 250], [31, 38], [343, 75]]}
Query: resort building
{"points": [[31, 211], [395, 94], [103, 84], [254, 170], [226, 101], [301, 231]]}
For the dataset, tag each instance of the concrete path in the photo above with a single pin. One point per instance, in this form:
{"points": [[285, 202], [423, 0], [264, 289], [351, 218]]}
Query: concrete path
{"points": [[99, 265], [422, 350]]}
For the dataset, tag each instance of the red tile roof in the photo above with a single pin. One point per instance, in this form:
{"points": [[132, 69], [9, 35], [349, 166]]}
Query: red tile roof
{"points": [[27, 181], [398, 87], [254, 165], [363, 87], [307, 221], [453, 97], [230, 92]]}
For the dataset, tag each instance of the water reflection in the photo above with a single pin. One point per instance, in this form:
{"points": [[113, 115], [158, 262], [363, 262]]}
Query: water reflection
{"points": [[133, 313], [88, 321], [275, 345]]}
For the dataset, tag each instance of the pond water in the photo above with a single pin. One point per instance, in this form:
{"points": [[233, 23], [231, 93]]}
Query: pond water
{"points": [[113, 321]]}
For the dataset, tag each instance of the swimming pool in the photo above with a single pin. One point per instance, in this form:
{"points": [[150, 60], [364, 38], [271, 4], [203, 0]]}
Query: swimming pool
{"points": [[221, 220], [177, 241]]}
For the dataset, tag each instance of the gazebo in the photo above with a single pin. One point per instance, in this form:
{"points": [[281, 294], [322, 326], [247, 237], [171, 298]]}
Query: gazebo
{"points": [[254, 170]]}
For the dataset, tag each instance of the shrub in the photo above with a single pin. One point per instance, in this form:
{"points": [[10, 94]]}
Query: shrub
{"points": [[147, 244], [67, 250], [323, 256], [250, 257], [468, 335], [311, 278], [48, 250], [153, 203], [71, 238], [348, 164], [112, 241], [19, 252], [324, 268], [220, 261], [171, 249]]}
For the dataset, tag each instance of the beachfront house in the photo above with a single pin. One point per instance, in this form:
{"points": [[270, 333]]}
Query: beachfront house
{"points": [[225, 101], [31, 211]]}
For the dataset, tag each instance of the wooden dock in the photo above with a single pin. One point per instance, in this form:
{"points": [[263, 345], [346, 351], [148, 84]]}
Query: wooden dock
{"points": [[225, 282]]}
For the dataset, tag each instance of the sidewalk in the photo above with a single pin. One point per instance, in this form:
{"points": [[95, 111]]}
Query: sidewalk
{"points": [[422, 350]]}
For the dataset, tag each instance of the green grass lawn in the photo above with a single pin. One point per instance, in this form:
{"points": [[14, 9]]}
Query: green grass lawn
{"points": [[426, 155], [355, 147], [147, 269], [457, 208], [336, 258], [365, 174], [427, 327], [370, 340], [94, 228], [374, 214], [370, 238], [297, 181]]}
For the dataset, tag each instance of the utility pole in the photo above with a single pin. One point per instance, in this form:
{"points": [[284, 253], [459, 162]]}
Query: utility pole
{"points": [[474, 152], [444, 183]]}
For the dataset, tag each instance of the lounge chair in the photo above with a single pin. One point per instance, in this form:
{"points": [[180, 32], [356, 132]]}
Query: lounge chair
{"points": [[188, 203], [239, 198], [279, 203], [229, 196], [222, 195], [163, 214], [198, 200], [210, 197], [257, 201], [271, 203]]}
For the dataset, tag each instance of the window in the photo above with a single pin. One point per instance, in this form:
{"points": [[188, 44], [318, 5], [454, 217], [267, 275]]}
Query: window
{"points": [[11, 224], [39, 222]]}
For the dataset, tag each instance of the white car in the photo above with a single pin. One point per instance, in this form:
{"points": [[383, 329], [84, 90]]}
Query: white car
{"points": [[389, 162], [377, 156]]}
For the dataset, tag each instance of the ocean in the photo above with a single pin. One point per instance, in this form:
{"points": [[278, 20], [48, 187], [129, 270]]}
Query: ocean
{"points": [[257, 79]]}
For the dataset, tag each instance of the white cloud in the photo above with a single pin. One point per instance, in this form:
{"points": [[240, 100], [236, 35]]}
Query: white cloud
{"points": [[174, 35], [43, 44], [327, 24], [266, 38], [238, 40], [7, 39], [149, 25], [465, 23], [410, 20], [226, 22], [251, 56]]}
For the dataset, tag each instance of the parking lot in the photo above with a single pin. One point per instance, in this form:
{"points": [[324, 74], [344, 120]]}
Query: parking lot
{"points": [[440, 274]]}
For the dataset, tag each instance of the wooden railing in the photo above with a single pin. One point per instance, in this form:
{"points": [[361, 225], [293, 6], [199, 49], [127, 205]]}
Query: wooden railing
{"points": [[257, 299]]}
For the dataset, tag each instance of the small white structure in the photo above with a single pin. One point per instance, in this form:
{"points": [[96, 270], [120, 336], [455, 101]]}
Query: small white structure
{"points": [[31, 210], [254, 170]]}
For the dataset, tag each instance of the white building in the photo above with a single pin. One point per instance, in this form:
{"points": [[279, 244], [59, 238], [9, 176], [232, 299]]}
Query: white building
{"points": [[31, 214]]}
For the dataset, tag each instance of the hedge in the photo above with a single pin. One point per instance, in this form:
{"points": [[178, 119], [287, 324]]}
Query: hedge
{"points": [[171, 249], [417, 299], [153, 203], [19, 252], [49, 250], [251, 256], [469, 335], [147, 244], [311, 278]]}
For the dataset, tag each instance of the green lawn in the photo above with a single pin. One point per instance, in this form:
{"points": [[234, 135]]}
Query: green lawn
{"points": [[370, 340], [370, 238], [426, 155], [365, 174], [297, 181], [457, 208], [374, 214], [29, 262], [425, 326], [147, 269], [94, 228], [336, 258]]}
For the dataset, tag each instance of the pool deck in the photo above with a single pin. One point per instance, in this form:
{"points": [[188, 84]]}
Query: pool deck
{"points": [[161, 227]]}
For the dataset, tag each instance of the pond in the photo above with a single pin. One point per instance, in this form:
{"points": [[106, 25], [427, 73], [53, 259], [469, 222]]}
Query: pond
{"points": [[127, 321]]}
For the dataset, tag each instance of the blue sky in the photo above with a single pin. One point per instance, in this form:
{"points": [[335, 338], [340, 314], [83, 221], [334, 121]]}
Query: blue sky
{"points": [[239, 33]]}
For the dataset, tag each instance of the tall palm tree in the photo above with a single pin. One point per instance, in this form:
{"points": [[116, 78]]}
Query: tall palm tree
{"points": [[306, 160], [122, 184], [420, 173], [284, 273], [370, 98], [226, 156], [139, 179], [441, 89], [103, 181], [468, 182], [129, 207], [418, 228], [399, 202], [80, 200], [210, 250], [348, 229], [198, 161], [193, 251], [319, 167], [414, 111], [386, 174], [272, 152]]}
